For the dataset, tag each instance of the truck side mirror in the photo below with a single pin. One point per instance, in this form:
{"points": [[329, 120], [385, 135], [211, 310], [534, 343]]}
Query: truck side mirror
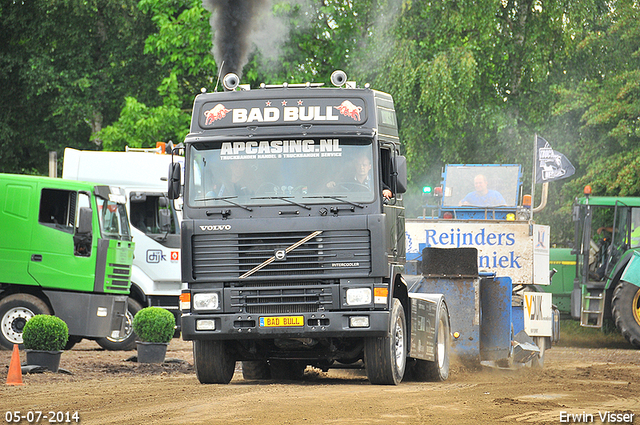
{"points": [[174, 180], [165, 220], [84, 221], [400, 167], [137, 197]]}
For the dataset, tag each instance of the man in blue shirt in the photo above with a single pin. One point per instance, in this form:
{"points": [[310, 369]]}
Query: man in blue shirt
{"points": [[482, 196]]}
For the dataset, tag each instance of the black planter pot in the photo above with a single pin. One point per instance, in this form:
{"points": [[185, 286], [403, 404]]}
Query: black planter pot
{"points": [[48, 359], [151, 352]]}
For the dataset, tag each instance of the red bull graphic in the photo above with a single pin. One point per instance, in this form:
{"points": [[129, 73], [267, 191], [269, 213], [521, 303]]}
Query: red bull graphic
{"points": [[216, 113], [284, 111], [350, 110]]}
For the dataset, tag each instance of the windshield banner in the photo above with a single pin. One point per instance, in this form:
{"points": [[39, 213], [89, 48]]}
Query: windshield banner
{"points": [[296, 148]]}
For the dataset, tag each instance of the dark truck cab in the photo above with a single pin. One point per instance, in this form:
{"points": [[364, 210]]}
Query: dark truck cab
{"points": [[291, 255]]}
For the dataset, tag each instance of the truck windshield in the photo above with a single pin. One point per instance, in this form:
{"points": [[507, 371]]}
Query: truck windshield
{"points": [[114, 223], [279, 172], [481, 185]]}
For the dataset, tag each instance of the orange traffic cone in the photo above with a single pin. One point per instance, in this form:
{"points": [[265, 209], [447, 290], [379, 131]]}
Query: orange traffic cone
{"points": [[15, 370]]}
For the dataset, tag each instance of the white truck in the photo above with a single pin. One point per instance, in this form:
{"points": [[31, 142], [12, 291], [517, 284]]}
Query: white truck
{"points": [[155, 226], [508, 242]]}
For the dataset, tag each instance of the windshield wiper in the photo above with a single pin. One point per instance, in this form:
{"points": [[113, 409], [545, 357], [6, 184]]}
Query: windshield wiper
{"points": [[337, 198], [226, 199], [286, 199]]}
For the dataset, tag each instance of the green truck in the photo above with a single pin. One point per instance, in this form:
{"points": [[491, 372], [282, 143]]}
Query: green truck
{"points": [[66, 250], [604, 265]]}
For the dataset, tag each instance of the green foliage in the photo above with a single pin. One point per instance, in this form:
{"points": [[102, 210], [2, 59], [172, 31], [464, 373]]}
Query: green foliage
{"points": [[140, 126], [44, 332], [66, 68], [473, 81], [154, 324]]}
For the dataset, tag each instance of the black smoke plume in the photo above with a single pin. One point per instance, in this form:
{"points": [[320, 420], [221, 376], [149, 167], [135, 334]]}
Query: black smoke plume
{"points": [[233, 22]]}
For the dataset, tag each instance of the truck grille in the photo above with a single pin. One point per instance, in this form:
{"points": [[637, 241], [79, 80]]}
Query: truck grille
{"points": [[227, 256], [281, 300], [119, 277]]}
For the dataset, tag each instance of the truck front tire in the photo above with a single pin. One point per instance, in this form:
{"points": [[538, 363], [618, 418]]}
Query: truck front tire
{"points": [[386, 357], [128, 340], [15, 311], [213, 361], [625, 307]]}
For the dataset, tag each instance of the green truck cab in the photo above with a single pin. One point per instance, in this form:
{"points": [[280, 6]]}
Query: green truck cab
{"points": [[66, 250]]}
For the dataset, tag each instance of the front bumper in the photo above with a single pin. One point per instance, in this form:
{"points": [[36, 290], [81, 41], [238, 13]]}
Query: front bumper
{"points": [[312, 325]]}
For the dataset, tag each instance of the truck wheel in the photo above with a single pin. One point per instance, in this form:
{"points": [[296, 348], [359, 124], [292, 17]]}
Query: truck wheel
{"points": [[15, 311], [213, 361], [255, 369], [437, 370], [625, 307], [386, 357], [289, 370], [128, 340], [72, 341]]}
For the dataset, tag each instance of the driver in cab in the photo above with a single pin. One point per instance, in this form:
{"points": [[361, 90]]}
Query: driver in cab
{"points": [[362, 167]]}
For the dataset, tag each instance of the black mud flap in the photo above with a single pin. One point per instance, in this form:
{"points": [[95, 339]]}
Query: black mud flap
{"points": [[450, 262]]}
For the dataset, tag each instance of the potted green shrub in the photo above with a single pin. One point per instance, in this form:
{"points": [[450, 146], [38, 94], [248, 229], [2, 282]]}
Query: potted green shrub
{"points": [[155, 327], [44, 337]]}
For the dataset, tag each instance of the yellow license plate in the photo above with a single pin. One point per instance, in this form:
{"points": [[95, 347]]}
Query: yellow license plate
{"points": [[281, 321]]}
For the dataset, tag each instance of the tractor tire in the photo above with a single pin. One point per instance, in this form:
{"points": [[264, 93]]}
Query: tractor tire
{"points": [[385, 357], [15, 311], [255, 369], [213, 361], [625, 308], [437, 370], [128, 340]]}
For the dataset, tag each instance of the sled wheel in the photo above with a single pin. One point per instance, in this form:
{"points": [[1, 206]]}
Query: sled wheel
{"points": [[255, 369], [291, 370], [437, 370]]}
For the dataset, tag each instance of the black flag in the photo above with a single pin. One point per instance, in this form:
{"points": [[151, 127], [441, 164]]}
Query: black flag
{"points": [[551, 165]]}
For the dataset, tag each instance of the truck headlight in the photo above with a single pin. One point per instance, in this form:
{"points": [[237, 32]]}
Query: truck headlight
{"points": [[358, 296], [206, 301]]}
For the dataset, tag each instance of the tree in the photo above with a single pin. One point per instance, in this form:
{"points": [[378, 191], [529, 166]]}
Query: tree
{"points": [[67, 67], [181, 42]]}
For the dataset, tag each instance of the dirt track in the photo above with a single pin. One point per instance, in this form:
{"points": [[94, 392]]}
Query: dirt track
{"points": [[104, 388]]}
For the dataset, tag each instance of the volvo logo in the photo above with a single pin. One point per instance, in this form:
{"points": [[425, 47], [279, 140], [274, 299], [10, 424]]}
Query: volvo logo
{"points": [[280, 254], [216, 227]]}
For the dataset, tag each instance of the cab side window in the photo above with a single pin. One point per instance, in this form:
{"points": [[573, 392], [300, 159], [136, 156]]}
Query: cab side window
{"points": [[386, 168], [82, 241], [57, 209]]}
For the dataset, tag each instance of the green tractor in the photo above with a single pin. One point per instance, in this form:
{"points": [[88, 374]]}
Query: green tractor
{"points": [[562, 265], [607, 263]]}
